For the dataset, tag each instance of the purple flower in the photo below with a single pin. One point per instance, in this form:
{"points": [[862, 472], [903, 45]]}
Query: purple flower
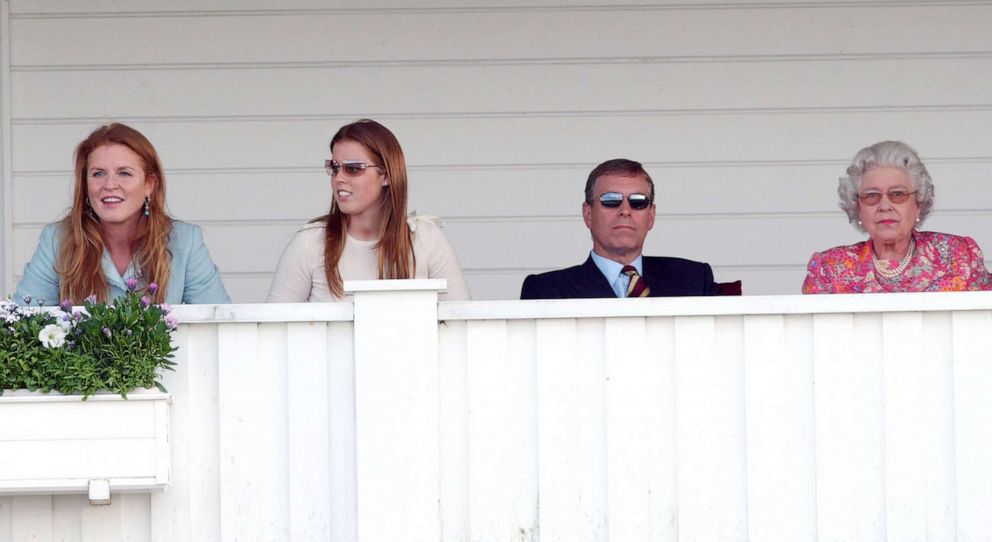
{"points": [[66, 305], [132, 283], [166, 308], [152, 288], [26, 299], [106, 332], [171, 322], [91, 299], [41, 301], [145, 301]]}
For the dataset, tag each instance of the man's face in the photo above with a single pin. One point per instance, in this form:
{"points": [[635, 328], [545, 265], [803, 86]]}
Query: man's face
{"points": [[618, 233]]}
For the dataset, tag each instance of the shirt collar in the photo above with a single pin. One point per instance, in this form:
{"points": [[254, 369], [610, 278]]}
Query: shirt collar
{"points": [[611, 269]]}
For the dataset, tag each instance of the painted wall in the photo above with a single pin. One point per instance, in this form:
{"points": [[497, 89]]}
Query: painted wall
{"points": [[745, 114]]}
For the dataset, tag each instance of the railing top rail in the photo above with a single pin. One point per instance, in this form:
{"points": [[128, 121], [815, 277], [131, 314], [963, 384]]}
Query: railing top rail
{"points": [[722, 305], [604, 308]]}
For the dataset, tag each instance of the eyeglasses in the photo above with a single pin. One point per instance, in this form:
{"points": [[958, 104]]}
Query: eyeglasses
{"points": [[874, 197], [351, 167], [613, 200]]}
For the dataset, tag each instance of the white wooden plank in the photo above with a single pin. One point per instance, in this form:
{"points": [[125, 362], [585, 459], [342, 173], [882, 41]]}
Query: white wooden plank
{"points": [[135, 512], [397, 418], [496, 36], [426, 89], [918, 428], [193, 503], [781, 452], [629, 407], [343, 469], [660, 421], [253, 455], [454, 432], [308, 435], [571, 431], [850, 447], [502, 431], [67, 512], [31, 518], [972, 342], [711, 440]]}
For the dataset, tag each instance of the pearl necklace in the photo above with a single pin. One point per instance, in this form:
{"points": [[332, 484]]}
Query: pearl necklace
{"points": [[885, 272]]}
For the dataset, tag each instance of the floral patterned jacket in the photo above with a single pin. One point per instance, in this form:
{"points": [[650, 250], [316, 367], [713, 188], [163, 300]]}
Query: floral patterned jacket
{"points": [[941, 263]]}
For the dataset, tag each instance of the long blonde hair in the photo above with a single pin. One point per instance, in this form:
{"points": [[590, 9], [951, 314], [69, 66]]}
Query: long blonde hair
{"points": [[394, 250], [81, 251]]}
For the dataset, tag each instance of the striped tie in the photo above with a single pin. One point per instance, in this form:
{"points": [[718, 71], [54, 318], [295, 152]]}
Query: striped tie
{"points": [[636, 287]]}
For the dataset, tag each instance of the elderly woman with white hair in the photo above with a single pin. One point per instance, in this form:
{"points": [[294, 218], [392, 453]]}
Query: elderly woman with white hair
{"points": [[888, 194]]}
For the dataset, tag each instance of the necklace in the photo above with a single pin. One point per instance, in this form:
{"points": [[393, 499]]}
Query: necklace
{"points": [[883, 270]]}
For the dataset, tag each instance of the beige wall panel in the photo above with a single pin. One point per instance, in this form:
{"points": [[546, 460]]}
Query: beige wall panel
{"points": [[496, 35], [61, 7], [460, 89], [724, 137]]}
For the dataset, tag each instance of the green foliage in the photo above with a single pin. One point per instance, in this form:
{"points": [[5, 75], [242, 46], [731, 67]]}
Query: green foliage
{"points": [[118, 346]]}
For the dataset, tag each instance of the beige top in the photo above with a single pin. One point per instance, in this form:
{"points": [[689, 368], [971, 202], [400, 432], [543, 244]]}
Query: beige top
{"points": [[300, 274]]}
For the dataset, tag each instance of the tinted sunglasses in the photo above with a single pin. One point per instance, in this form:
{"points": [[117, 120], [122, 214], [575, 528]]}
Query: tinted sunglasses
{"points": [[896, 195], [614, 199], [351, 167]]}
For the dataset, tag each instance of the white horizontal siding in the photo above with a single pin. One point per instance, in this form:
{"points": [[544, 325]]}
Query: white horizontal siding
{"points": [[745, 113]]}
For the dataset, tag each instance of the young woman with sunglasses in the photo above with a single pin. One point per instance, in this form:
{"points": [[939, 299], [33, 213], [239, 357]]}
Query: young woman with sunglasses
{"points": [[887, 194], [367, 233]]}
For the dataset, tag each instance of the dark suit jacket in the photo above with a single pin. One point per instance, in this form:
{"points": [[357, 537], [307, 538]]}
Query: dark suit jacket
{"points": [[667, 277]]}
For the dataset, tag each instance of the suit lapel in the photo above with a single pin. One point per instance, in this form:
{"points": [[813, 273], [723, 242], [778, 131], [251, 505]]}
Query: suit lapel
{"points": [[590, 281]]}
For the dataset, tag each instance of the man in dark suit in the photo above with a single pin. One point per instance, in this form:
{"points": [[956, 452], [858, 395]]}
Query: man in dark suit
{"points": [[619, 211]]}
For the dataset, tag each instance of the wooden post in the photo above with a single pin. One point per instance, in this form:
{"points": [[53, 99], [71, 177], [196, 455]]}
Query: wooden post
{"points": [[397, 409]]}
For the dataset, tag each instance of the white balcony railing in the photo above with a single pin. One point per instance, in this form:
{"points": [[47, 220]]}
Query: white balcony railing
{"points": [[399, 418]]}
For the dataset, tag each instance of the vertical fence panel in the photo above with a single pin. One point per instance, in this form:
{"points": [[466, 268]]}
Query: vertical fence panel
{"points": [[917, 452], [67, 512], [712, 466], [253, 461], [341, 455], [501, 448], [308, 431], [571, 407], [781, 461], [660, 422], [628, 402], [398, 421], [190, 509], [31, 518], [972, 430], [850, 484], [454, 446]]}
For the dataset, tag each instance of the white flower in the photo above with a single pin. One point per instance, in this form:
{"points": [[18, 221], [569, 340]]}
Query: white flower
{"points": [[52, 336]]}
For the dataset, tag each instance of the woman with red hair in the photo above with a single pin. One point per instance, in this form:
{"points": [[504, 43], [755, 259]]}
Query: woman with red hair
{"points": [[117, 235]]}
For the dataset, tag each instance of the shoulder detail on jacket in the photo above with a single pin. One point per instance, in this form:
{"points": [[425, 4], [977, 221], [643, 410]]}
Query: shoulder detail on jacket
{"points": [[415, 221]]}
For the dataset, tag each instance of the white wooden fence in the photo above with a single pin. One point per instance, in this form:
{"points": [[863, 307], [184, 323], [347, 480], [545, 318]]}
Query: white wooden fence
{"points": [[779, 418]]}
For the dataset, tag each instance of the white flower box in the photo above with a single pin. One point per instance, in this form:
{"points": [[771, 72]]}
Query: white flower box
{"points": [[52, 443]]}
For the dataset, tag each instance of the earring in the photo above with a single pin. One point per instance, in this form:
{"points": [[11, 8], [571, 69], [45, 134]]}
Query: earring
{"points": [[860, 224], [146, 206], [89, 210]]}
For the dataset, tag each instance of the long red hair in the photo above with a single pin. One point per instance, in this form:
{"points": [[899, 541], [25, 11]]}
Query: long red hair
{"points": [[394, 251], [82, 245]]}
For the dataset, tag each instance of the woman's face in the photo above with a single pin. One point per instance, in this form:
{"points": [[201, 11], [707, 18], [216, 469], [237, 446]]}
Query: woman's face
{"points": [[357, 192], [116, 184], [885, 221]]}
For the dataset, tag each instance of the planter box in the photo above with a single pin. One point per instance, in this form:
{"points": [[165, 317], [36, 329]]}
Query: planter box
{"points": [[51, 443]]}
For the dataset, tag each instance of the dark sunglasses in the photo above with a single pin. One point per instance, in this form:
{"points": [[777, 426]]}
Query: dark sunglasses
{"points": [[351, 167], [614, 199]]}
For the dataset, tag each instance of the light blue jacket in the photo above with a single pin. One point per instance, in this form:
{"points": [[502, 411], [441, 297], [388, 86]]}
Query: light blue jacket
{"points": [[193, 277]]}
